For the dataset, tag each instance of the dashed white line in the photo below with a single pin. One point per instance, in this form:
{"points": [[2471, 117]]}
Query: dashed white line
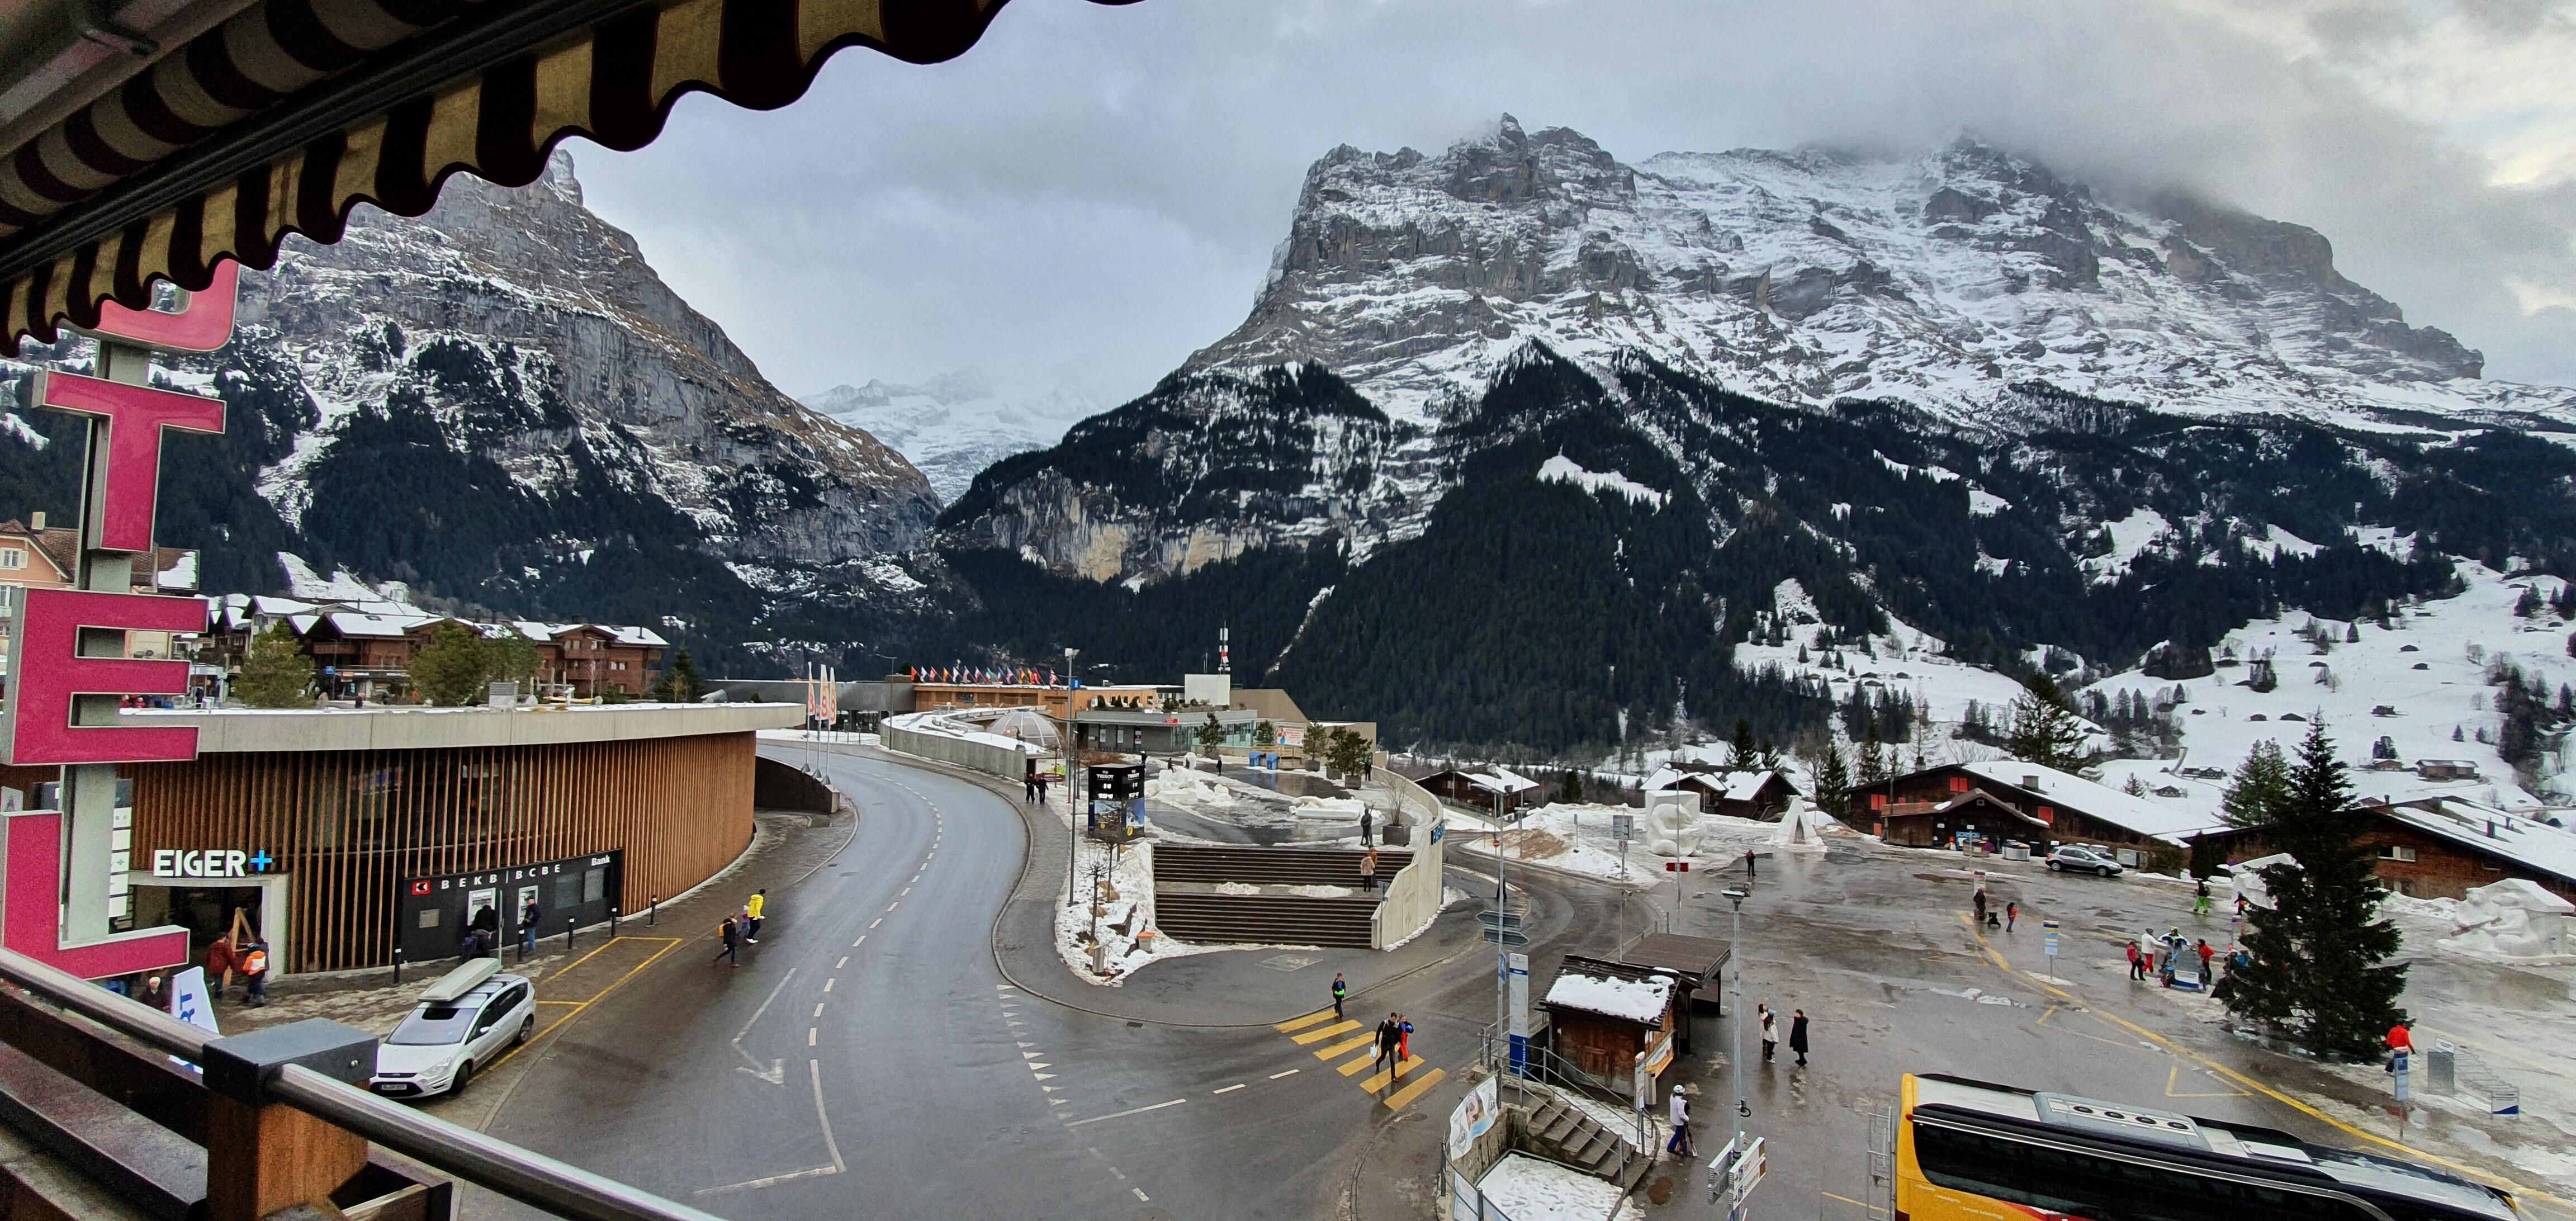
{"points": [[809, 1036], [906, 890], [873, 923], [845, 961], [818, 1009], [1076, 1123], [1290, 1073], [1141, 1197], [863, 940], [1231, 1088], [827, 984]]}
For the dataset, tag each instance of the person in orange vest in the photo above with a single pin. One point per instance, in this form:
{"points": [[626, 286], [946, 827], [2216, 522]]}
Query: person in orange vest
{"points": [[254, 965]]}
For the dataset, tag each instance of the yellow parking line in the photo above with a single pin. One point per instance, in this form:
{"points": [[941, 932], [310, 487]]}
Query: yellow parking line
{"points": [[1379, 1081], [2519, 1190], [1321, 1033], [670, 944], [1338, 1050], [1422, 1084], [1308, 1020]]}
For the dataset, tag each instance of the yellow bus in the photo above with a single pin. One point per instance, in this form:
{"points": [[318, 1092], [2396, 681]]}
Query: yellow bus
{"points": [[1969, 1149]]}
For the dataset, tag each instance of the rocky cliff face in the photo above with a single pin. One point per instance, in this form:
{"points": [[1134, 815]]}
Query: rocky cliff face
{"points": [[501, 405], [1522, 444], [954, 425]]}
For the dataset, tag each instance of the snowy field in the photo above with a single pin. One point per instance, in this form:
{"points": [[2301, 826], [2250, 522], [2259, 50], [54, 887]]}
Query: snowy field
{"points": [[1576, 837]]}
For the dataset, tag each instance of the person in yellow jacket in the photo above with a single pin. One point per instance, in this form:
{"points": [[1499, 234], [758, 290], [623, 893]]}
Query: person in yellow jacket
{"points": [[759, 903]]}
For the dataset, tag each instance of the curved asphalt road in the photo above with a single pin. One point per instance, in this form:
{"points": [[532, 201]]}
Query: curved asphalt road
{"points": [[867, 1059]]}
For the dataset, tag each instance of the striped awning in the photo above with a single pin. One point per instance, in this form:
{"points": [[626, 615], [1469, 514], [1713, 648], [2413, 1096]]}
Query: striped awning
{"points": [[287, 115]]}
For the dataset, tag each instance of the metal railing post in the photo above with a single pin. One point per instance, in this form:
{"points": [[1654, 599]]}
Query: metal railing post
{"points": [[397, 966], [568, 927], [654, 913], [612, 920]]}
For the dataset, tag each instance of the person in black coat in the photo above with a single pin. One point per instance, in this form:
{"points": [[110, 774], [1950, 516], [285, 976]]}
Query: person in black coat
{"points": [[1798, 1035]]}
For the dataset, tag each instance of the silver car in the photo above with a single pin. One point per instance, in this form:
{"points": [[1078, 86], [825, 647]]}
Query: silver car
{"points": [[463, 1022], [2080, 859]]}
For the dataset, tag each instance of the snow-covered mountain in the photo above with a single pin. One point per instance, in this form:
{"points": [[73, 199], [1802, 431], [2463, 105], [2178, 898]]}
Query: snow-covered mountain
{"points": [[1940, 280], [1521, 444], [501, 405], [956, 424]]}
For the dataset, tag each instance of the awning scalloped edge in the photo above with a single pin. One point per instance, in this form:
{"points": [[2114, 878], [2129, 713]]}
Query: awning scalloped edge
{"points": [[614, 83]]}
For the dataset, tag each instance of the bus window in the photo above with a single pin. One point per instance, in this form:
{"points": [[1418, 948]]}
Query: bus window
{"points": [[2101, 1188]]}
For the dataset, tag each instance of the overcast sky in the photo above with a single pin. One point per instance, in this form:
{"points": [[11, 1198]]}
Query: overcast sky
{"points": [[1091, 193]]}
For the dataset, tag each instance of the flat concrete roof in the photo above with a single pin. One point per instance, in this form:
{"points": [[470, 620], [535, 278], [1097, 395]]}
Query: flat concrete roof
{"points": [[246, 730]]}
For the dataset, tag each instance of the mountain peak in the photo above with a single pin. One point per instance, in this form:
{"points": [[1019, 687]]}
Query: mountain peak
{"points": [[1944, 278]]}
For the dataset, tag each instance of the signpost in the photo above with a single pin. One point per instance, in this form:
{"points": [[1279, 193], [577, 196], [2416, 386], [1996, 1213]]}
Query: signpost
{"points": [[1516, 967], [1736, 1171], [2397, 1074], [69, 668], [2048, 942], [1623, 827]]}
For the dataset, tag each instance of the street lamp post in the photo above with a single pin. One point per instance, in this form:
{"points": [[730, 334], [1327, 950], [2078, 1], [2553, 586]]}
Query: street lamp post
{"points": [[1064, 750], [1502, 950], [1735, 1022]]}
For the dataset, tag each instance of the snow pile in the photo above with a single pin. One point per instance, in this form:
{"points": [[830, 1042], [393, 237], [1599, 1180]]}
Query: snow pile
{"points": [[1182, 787], [1561, 469], [1525, 1188], [1237, 888], [2513, 918], [1329, 809], [2247, 877], [1133, 908], [1632, 999], [1320, 891]]}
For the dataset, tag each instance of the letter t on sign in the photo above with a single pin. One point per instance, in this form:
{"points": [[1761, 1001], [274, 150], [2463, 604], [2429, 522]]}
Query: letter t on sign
{"points": [[125, 473]]}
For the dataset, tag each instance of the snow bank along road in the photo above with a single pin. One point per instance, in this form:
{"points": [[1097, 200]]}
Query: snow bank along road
{"points": [[868, 1059]]}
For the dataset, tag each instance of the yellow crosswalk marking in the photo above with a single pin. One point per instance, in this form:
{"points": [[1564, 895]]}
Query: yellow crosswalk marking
{"points": [[1359, 1064], [1338, 1050], [1402, 1098], [1378, 1082], [1321, 1033], [1308, 1020]]}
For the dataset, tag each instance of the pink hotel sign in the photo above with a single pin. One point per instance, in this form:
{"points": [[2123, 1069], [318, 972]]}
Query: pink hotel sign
{"points": [[69, 671]]}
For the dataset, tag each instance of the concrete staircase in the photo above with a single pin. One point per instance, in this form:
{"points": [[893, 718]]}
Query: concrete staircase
{"points": [[1565, 1134], [1187, 909]]}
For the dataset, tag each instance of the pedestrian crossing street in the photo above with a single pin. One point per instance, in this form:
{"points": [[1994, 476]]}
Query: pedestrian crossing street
{"points": [[1353, 1043]]}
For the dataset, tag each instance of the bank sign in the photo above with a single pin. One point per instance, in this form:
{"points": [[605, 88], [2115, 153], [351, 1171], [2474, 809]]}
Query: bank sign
{"points": [[210, 862]]}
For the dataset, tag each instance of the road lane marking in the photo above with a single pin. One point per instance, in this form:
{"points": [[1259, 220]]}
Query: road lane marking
{"points": [[1339, 1050], [1308, 1020], [773, 1072], [1076, 1123], [1321, 1033], [1384, 1079], [845, 961], [1848, 1200], [890, 907], [1359, 1064], [2173, 1078], [830, 1146], [1030, 1055], [1141, 1196], [809, 1036], [1290, 1073], [863, 939], [818, 1009], [827, 984], [906, 890], [1421, 1085], [1231, 1088], [872, 924], [578, 1006]]}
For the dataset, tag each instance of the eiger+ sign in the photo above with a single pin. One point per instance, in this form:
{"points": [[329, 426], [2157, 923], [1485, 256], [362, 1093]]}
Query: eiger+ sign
{"points": [[209, 862]]}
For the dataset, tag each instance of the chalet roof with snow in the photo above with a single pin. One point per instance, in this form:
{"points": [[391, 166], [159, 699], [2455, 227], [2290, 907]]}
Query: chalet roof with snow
{"points": [[1643, 1001], [1724, 785], [2503, 834], [2173, 824]]}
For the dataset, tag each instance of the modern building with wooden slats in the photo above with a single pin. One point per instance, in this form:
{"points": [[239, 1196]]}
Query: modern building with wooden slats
{"points": [[343, 834]]}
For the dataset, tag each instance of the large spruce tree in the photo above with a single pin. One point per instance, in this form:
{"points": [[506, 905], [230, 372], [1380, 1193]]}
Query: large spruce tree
{"points": [[2044, 730], [2318, 952]]}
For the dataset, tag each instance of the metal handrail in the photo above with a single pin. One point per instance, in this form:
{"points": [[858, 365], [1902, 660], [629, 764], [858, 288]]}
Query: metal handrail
{"points": [[530, 1178]]}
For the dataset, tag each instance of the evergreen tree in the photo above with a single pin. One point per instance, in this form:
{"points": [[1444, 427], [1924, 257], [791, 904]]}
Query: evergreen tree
{"points": [[2135, 787], [1833, 781], [1573, 790], [1211, 733], [276, 674], [2043, 730], [2317, 954], [510, 658], [678, 683], [1740, 752], [1873, 758], [2262, 784], [449, 669], [1770, 756]]}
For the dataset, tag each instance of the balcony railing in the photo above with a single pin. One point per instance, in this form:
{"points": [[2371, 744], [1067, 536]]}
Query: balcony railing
{"points": [[275, 1119]]}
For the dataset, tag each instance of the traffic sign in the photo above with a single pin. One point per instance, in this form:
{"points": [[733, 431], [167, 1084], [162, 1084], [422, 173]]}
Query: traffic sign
{"points": [[2048, 940], [1499, 919], [1506, 936], [1677, 866]]}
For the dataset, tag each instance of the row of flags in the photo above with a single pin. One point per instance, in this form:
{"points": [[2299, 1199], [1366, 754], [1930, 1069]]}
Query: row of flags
{"points": [[822, 694], [1026, 676]]}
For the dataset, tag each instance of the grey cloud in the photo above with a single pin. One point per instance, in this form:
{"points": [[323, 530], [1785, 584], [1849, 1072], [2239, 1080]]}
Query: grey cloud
{"points": [[1094, 192]]}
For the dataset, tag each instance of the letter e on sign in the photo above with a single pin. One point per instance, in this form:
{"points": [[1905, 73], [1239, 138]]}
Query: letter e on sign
{"points": [[36, 730]]}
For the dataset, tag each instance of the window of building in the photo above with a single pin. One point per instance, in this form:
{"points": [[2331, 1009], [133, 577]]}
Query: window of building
{"points": [[1958, 784], [2396, 852], [12, 558]]}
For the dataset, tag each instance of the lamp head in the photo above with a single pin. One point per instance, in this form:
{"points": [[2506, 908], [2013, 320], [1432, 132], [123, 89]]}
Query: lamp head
{"points": [[1737, 896]]}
